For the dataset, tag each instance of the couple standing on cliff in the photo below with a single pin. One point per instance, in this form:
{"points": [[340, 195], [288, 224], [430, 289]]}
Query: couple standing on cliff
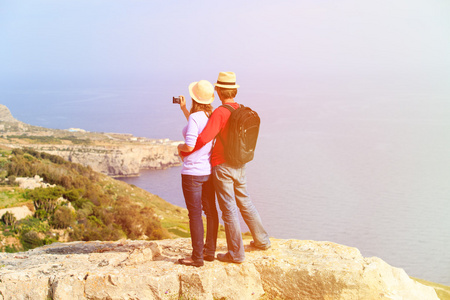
{"points": [[206, 173]]}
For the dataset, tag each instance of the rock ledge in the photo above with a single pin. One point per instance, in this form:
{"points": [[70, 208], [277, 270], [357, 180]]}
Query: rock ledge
{"points": [[291, 269]]}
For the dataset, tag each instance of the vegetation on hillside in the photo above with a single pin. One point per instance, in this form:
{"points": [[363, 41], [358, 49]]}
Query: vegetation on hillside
{"points": [[82, 204], [50, 139]]}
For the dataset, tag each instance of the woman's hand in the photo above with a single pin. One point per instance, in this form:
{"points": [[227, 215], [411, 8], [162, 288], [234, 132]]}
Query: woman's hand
{"points": [[185, 148], [183, 107], [182, 102], [179, 152]]}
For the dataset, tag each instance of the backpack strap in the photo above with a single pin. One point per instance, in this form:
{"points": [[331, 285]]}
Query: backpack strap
{"points": [[231, 109]]}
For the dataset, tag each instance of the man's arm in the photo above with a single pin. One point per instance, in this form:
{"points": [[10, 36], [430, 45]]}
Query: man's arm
{"points": [[209, 133]]}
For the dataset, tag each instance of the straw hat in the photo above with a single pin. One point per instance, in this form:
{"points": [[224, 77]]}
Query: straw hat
{"points": [[202, 91], [227, 80]]}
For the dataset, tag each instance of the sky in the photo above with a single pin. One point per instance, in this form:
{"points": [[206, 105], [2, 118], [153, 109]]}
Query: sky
{"points": [[279, 45]]}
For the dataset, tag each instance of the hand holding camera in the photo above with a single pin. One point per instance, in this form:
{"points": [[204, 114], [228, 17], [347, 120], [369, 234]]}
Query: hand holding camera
{"points": [[182, 101], [179, 100]]}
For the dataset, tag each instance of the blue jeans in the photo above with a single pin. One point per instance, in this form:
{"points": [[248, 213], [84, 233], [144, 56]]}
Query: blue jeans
{"points": [[231, 190], [199, 194]]}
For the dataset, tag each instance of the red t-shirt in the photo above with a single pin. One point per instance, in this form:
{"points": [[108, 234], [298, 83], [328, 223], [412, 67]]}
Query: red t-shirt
{"points": [[218, 122]]}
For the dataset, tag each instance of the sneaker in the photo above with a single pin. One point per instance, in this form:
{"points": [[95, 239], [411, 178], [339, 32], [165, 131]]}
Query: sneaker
{"points": [[226, 257], [252, 244], [209, 257], [190, 262]]}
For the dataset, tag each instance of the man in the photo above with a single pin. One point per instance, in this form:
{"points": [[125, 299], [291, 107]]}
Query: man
{"points": [[229, 181]]}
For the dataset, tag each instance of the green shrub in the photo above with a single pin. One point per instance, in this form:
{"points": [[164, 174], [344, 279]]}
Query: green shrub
{"points": [[65, 181], [93, 219], [12, 180], [31, 240], [46, 193], [49, 240], [9, 219], [28, 157], [10, 249], [41, 214], [32, 224], [63, 218], [86, 209], [45, 199], [46, 205], [159, 234], [92, 231], [72, 195], [136, 220], [17, 151]]}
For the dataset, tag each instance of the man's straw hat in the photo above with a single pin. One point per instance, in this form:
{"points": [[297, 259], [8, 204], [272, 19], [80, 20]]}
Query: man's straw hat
{"points": [[227, 80], [202, 91]]}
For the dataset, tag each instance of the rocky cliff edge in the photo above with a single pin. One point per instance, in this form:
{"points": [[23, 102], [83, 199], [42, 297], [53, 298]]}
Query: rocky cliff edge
{"points": [[291, 269], [120, 160]]}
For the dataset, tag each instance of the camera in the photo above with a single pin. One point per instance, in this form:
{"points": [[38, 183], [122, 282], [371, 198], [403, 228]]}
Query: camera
{"points": [[176, 100]]}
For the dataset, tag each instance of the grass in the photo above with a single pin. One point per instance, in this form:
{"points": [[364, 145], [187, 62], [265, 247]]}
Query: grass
{"points": [[11, 196], [442, 291], [179, 232]]}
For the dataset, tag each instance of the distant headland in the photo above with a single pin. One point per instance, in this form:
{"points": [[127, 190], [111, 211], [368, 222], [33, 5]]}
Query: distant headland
{"points": [[113, 154]]}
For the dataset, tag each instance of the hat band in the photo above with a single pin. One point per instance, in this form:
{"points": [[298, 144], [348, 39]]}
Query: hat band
{"points": [[226, 83]]}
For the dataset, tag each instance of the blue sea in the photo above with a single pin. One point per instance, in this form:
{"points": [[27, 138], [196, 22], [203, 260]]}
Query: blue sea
{"points": [[365, 169]]}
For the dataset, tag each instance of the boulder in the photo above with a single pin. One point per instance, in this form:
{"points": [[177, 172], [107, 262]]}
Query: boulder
{"points": [[19, 213], [32, 183], [291, 269]]}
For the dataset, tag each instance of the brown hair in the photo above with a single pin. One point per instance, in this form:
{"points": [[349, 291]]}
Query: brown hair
{"points": [[226, 93], [207, 108]]}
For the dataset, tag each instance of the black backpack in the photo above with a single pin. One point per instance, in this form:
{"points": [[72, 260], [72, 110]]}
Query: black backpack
{"points": [[242, 135]]}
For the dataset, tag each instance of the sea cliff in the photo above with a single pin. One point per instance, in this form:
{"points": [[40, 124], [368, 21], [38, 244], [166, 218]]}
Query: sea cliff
{"points": [[118, 160], [291, 269]]}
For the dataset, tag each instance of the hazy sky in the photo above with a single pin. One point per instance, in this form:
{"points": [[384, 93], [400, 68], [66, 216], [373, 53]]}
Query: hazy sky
{"points": [[277, 44]]}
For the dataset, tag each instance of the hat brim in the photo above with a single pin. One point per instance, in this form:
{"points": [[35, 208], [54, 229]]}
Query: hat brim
{"points": [[208, 101], [235, 86]]}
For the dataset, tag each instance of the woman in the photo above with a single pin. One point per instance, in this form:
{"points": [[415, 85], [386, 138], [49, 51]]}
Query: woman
{"points": [[198, 189]]}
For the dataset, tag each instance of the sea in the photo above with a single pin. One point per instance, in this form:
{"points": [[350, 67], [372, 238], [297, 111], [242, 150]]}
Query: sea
{"points": [[365, 169]]}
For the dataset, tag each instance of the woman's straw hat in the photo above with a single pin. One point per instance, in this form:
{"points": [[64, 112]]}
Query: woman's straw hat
{"points": [[227, 80], [202, 91]]}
